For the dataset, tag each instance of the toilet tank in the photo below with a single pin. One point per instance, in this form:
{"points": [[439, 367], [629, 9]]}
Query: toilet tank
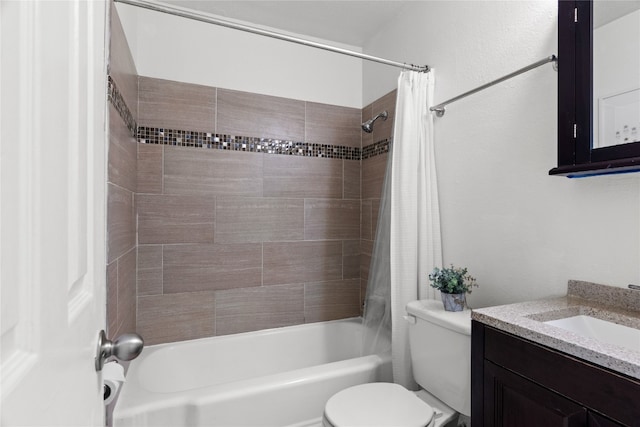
{"points": [[440, 343]]}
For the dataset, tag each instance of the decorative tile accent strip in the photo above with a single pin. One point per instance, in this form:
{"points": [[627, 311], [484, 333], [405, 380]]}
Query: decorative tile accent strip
{"points": [[184, 138], [375, 149], [116, 99]]}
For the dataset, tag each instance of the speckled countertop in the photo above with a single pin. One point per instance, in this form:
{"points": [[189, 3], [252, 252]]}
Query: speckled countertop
{"points": [[609, 303]]}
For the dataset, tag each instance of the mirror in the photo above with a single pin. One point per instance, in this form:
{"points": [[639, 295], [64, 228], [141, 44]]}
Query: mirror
{"points": [[616, 72], [598, 87]]}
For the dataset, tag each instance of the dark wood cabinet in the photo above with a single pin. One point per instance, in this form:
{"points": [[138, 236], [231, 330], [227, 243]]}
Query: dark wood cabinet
{"points": [[596, 420], [511, 400], [518, 383], [577, 155]]}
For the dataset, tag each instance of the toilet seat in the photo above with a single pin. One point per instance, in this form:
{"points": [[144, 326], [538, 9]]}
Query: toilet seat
{"points": [[377, 405]]}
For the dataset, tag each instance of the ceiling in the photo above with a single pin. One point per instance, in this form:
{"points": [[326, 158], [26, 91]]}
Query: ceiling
{"points": [[347, 22], [351, 22]]}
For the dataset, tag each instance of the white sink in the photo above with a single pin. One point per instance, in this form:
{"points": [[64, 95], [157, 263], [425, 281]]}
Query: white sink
{"points": [[601, 330]]}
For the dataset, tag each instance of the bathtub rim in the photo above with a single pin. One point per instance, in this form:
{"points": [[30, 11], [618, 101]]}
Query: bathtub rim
{"points": [[267, 331], [148, 400]]}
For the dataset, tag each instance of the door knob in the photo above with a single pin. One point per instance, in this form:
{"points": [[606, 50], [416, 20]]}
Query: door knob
{"points": [[125, 347]]}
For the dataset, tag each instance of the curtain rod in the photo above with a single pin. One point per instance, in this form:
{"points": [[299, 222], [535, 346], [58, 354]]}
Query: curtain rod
{"points": [[184, 13], [440, 108]]}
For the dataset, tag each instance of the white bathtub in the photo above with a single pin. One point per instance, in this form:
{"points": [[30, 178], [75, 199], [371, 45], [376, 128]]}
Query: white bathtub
{"points": [[275, 377]]}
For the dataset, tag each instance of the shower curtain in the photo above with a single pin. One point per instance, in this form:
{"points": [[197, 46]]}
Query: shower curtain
{"points": [[415, 242], [377, 308], [408, 243]]}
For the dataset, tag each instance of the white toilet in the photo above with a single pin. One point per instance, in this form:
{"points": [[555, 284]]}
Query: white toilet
{"points": [[441, 360]]}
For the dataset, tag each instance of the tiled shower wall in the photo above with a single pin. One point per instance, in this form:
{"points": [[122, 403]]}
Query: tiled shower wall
{"points": [[373, 170], [233, 240], [272, 225], [121, 186]]}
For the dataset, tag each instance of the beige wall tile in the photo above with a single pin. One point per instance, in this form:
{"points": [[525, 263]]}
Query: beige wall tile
{"points": [[122, 69], [363, 294], [332, 124], [366, 247], [127, 292], [365, 262], [149, 270], [213, 172], [366, 250], [384, 129], [190, 268], [352, 179], [367, 113], [365, 220], [331, 300], [298, 262], [258, 219], [350, 247], [373, 170], [249, 114], [175, 219], [121, 236], [294, 176], [175, 105], [150, 168], [350, 259], [112, 298], [122, 153], [176, 317], [331, 219], [375, 213], [242, 310]]}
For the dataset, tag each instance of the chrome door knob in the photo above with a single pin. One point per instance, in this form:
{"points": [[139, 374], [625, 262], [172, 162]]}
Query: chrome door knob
{"points": [[125, 347]]}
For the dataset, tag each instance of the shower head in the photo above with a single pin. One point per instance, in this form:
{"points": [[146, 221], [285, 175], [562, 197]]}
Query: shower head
{"points": [[368, 125]]}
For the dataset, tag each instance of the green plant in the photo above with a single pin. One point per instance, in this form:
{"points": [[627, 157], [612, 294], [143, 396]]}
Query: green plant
{"points": [[452, 280]]}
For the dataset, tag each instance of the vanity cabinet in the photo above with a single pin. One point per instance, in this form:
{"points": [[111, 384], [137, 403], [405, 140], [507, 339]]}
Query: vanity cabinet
{"points": [[518, 383]]}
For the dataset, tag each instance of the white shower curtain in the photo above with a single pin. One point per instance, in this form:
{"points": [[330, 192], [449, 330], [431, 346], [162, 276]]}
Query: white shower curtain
{"points": [[415, 219]]}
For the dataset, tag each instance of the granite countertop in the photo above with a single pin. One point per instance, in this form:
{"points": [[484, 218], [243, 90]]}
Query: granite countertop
{"points": [[609, 303]]}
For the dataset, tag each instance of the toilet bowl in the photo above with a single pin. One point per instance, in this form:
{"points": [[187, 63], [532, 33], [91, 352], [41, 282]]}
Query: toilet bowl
{"points": [[434, 335]]}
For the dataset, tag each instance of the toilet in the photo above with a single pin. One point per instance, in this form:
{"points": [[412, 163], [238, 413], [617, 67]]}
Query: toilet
{"points": [[440, 345]]}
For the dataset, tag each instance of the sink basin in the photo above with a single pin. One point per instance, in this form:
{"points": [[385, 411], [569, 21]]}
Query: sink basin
{"points": [[601, 330]]}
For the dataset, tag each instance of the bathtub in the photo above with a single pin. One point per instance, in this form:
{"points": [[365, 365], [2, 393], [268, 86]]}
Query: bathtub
{"points": [[274, 377]]}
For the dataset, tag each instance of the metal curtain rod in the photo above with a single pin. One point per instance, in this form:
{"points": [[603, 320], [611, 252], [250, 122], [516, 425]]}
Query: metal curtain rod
{"points": [[440, 108], [184, 13]]}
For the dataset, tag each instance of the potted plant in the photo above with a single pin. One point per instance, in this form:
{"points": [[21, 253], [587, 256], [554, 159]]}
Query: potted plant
{"points": [[453, 284]]}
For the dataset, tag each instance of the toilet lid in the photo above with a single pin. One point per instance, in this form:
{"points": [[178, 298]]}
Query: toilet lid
{"points": [[377, 405]]}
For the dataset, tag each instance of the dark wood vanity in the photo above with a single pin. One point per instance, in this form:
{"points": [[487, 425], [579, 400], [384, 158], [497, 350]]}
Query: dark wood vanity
{"points": [[519, 383]]}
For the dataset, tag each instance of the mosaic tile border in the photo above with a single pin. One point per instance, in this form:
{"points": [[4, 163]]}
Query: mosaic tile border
{"points": [[186, 138], [116, 99], [376, 149], [182, 138]]}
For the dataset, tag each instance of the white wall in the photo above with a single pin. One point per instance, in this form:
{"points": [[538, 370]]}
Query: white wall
{"points": [[173, 48], [522, 233]]}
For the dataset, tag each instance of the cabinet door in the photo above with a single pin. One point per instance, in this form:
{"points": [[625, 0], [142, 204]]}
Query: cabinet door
{"points": [[596, 420], [513, 401]]}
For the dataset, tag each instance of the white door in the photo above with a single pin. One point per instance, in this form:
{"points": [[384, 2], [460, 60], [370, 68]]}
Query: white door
{"points": [[52, 210]]}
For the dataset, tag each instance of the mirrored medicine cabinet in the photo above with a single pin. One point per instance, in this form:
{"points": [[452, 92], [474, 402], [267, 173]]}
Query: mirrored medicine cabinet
{"points": [[598, 87]]}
